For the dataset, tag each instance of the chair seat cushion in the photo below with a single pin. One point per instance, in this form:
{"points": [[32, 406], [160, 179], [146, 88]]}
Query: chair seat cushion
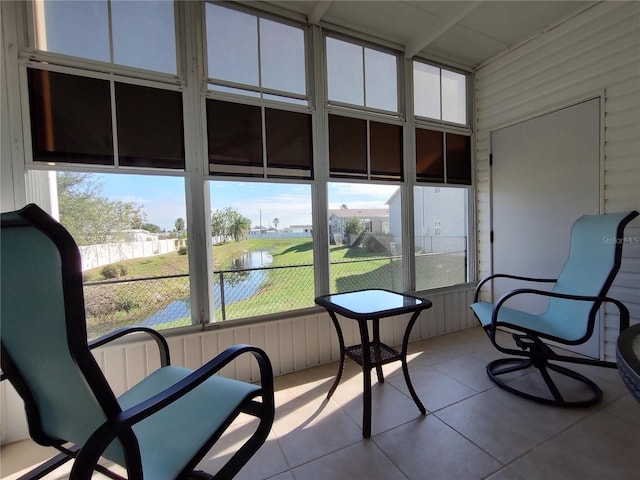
{"points": [[171, 437], [541, 324]]}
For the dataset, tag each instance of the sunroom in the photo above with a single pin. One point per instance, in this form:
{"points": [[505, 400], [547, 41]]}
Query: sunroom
{"points": [[221, 164]]}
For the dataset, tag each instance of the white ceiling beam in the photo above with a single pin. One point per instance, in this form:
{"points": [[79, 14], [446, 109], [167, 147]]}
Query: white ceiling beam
{"points": [[421, 42], [318, 11]]}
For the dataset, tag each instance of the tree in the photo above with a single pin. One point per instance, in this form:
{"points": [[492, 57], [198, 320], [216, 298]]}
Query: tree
{"points": [[275, 222], [88, 214], [353, 226], [229, 223], [151, 228], [179, 225], [240, 227], [344, 207]]}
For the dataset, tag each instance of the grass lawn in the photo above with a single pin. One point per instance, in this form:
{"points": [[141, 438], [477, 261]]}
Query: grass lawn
{"points": [[114, 305]]}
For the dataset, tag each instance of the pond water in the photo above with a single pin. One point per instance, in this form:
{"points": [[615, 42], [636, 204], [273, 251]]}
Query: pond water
{"points": [[237, 286], [243, 284]]}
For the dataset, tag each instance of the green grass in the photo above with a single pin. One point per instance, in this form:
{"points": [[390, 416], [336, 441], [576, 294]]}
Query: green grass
{"points": [[113, 306]]}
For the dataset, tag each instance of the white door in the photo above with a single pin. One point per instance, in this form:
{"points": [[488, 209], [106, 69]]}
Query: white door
{"points": [[545, 174]]}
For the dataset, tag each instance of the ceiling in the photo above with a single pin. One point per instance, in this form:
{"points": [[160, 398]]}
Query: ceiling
{"points": [[464, 33]]}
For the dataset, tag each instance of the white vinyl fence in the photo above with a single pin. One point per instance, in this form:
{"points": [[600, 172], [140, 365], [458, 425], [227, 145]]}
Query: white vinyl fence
{"points": [[94, 256]]}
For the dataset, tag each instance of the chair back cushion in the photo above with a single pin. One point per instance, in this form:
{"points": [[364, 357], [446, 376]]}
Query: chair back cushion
{"points": [[35, 334], [593, 262]]}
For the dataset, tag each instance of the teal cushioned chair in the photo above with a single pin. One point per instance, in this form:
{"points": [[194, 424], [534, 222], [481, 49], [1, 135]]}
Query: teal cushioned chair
{"points": [[160, 428], [578, 293]]}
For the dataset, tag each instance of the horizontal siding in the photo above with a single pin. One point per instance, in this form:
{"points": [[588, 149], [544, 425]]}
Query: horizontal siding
{"points": [[597, 51]]}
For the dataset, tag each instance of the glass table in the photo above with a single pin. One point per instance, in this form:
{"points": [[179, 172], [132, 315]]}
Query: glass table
{"points": [[372, 305], [628, 353]]}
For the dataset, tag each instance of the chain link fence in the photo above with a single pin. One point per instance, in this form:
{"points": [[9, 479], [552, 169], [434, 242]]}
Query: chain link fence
{"points": [[163, 302]]}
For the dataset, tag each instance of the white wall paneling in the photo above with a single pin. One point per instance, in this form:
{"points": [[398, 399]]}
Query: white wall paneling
{"points": [[598, 50]]}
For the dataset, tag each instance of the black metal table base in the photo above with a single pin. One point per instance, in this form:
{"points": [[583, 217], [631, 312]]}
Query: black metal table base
{"points": [[379, 355]]}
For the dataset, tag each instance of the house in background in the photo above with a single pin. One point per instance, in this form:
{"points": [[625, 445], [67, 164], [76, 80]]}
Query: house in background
{"points": [[373, 220], [439, 215], [520, 61]]}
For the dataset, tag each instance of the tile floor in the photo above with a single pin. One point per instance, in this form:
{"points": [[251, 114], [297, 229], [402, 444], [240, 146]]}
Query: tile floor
{"points": [[472, 429]]}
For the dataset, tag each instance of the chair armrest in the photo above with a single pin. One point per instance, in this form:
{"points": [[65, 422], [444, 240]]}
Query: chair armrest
{"points": [[624, 312], [163, 347], [121, 424], [513, 277]]}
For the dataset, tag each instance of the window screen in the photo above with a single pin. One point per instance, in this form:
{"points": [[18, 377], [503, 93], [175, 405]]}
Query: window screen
{"points": [[289, 149], [70, 118], [150, 127], [236, 142], [458, 159], [386, 150], [347, 146], [234, 138], [443, 157], [429, 156]]}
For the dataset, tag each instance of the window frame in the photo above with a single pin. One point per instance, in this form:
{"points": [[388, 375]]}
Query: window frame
{"points": [[112, 80], [28, 42], [400, 113], [193, 82], [439, 122], [259, 89]]}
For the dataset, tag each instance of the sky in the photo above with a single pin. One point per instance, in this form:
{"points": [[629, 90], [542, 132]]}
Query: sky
{"points": [[163, 198]]}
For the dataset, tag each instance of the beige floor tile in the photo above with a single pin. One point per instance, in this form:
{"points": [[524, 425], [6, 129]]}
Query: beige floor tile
{"points": [[609, 437], [435, 389], [266, 462], [283, 476], [475, 430], [356, 462], [389, 406], [504, 425], [506, 473], [626, 407], [427, 448], [567, 460], [313, 431], [22, 456], [470, 370]]}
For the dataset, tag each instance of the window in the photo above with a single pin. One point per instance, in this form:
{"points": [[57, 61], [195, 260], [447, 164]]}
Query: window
{"points": [[365, 227], [439, 93], [71, 122], [443, 157], [111, 119], [361, 76], [255, 56], [133, 247], [134, 34], [237, 147], [364, 149], [61, 129], [441, 236], [262, 239]]}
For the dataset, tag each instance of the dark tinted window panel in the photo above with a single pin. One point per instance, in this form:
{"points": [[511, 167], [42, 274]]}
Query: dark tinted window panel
{"points": [[458, 159], [429, 156], [347, 147], [234, 134], [150, 127], [385, 150], [289, 149], [70, 118]]}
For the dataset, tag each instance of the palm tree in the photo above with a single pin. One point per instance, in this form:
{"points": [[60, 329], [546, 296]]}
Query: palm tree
{"points": [[239, 228], [276, 222]]}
